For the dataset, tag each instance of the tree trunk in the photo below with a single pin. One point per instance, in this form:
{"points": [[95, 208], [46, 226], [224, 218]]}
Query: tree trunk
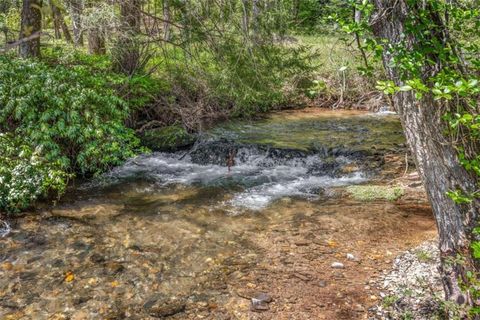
{"points": [[296, 10], [96, 42], [434, 154], [56, 21], [31, 24], [255, 17], [59, 22], [76, 9], [166, 20], [63, 25], [127, 58]]}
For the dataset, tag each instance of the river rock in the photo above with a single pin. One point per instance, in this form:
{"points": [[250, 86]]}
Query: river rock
{"points": [[265, 297], [165, 307], [90, 211]]}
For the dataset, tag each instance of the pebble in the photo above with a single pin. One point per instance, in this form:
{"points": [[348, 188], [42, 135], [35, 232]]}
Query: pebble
{"points": [[350, 257], [419, 277], [265, 297], [338, 265]]}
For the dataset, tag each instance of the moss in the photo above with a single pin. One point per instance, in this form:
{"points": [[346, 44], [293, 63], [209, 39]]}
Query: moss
{"points": [[371, 192], [168, 138]]}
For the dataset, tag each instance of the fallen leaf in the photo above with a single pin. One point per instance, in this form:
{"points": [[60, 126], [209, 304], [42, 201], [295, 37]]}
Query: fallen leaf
{"points": [[69, 277], [332, 243], [7, 266]]}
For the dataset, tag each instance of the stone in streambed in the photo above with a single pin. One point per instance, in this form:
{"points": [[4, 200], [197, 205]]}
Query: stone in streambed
{"points": [[260, 302], [337, 265], [164, 307]]}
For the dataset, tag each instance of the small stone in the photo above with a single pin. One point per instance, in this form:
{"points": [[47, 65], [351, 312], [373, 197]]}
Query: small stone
{"points": [[322, 283], [302, 243], [350, 257], [258, 305], [338, 265], [301, 276], [264, 297], [358, 308], [162, 309], [80, 315]]}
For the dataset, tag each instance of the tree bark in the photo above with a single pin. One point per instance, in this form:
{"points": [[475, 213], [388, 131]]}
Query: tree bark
{"points": [[434, 154], [127, 58], [31, 22], [76, 9], [59, 23], [96, 42], [56, 21], [166, 20], [63, 25]]}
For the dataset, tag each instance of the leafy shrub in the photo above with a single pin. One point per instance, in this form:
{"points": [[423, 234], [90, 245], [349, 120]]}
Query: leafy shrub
{"points": [[167, 138], [69, 119], [25, 175]]}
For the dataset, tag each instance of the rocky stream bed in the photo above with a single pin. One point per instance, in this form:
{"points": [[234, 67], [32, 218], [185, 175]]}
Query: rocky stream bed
{"points": [[253, 222]]}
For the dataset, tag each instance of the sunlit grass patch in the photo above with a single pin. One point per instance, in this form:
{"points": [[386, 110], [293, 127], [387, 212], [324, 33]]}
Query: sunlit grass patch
{"points": [[372, 192]]}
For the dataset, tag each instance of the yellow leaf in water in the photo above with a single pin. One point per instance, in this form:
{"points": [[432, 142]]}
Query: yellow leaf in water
{"points": [[69, 277], [332, 243], [7, 266]]}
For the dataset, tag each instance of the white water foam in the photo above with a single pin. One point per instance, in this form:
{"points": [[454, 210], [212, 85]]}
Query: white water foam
{"points": [[261, 179], [259, 197]]}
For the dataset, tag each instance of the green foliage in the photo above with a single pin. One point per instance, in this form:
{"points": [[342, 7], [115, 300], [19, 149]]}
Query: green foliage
{"points": [[25, 175], [167, 138], [10, 20], [389, 301], [232, 79], [70, 119]]}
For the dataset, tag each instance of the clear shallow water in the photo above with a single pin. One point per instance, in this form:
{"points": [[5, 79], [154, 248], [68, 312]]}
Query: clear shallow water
{"points": [[164, 227], [286, 155]]}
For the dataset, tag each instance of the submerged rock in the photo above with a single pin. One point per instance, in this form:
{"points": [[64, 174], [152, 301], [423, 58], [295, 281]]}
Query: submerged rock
{"points": [[165, 307], [338, 265], [260, 302]]}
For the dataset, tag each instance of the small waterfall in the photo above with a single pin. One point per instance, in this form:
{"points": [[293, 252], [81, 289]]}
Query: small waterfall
{"points": [[258, 176]]}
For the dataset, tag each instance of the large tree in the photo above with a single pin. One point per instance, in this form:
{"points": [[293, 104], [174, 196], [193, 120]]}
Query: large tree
{"points": [[30, 29], [417, 50], [127, 51]]}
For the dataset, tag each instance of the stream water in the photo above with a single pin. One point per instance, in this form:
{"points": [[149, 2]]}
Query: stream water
{"points": [[169, 234]]}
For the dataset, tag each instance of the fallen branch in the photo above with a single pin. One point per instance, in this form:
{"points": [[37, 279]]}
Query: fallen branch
{"points": [[31, 37]]}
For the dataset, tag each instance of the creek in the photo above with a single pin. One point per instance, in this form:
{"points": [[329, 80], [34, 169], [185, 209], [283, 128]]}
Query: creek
{"points": [[187, 234]]}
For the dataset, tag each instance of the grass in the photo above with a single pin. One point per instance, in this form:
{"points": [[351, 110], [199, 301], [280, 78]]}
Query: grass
{"points": [[373, 192], [423, 256], [339, 76], [389, 301]]}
